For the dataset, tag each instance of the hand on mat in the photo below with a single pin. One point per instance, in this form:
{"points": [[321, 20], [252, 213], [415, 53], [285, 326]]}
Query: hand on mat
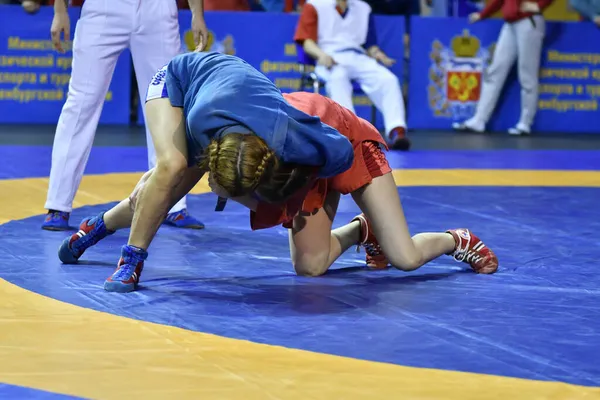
{"points": [[60, 23], [597, 20]]}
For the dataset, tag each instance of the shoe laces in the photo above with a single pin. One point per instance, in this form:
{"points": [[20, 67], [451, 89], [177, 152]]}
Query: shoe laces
{"points": [[462, 247], [372, 249], [57, 214], [464, 253], [124, 272], [87, 239]]}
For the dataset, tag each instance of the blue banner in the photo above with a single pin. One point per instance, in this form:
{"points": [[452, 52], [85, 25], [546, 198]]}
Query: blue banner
{"points": [[265, 40], [34, 78], [449, 57], [462, 8]]}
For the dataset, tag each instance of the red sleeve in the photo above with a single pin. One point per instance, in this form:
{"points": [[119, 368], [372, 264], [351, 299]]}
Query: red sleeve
{"points": [[492, 7], [307, 25]]}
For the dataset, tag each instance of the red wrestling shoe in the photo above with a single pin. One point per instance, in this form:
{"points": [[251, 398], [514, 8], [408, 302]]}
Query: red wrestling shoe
{"points": [[375, 257], [470, 249], [398, 139]]}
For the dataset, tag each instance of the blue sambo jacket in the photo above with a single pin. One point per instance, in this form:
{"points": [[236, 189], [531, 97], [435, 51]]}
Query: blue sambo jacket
{"points": [[221, 93]]}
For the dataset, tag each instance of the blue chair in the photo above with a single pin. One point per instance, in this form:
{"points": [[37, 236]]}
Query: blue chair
{"points": [[310, 80]]}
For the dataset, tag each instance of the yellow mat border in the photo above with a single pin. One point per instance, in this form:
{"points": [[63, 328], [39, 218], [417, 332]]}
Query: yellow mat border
{"points": [[50, 345]]}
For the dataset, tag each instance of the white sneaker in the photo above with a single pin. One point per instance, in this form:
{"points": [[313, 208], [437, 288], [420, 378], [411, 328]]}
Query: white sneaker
{"points": [[468, 126], [519, 130]]}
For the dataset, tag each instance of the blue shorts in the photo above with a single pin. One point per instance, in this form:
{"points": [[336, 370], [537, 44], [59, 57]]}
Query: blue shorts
{"points": [[158, 86]]}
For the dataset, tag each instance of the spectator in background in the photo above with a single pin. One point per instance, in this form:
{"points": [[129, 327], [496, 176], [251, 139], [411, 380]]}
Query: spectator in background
{"points": [[340, 35], [589, 9], [520, 39]]}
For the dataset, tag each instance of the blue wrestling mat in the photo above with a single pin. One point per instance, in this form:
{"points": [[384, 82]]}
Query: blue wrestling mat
{"points": [[537, 318]]}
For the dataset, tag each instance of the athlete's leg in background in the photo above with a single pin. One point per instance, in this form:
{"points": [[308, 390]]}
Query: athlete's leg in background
{"points": [[378, 82], [100, 37], [494, 77], [382, 87], [530, 37], [337, 84]]}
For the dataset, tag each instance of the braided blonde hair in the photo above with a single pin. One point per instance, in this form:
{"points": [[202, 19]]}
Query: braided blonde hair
{"points": [[243, 164]]}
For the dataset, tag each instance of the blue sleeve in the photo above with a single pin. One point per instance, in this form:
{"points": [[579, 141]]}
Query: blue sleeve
{"points": [[173, 82], [311, 142], [371, 33], [587, 8]]}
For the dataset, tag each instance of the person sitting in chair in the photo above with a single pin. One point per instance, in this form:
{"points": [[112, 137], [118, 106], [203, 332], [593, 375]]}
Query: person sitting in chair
{"points": [[340, 35]]}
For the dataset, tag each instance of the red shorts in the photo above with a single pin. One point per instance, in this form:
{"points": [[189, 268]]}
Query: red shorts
{"points": [[369, 163]]}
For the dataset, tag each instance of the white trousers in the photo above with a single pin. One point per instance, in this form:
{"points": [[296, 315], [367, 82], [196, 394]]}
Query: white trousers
{"points": [[521, 41], [150, 29], [381, 85]]}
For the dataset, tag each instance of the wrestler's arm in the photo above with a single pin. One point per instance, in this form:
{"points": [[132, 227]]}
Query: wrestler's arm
{"points": [[191, 177]]}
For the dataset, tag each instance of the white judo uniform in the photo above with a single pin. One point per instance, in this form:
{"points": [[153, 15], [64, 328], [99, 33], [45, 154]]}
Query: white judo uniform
{"points": [[342, 37]]}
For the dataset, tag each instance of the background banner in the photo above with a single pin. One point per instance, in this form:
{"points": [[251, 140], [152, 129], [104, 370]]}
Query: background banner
{"points": [[34, 78], [449, 56]]}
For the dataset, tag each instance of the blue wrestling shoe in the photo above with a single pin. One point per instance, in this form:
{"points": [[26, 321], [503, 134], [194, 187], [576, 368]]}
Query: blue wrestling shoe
{"points": [[127, 275], [182, 219], [91, 231], [56, 221]]}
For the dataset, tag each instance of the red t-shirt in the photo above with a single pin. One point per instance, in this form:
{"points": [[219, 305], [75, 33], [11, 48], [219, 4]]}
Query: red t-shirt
{"points": [[511, 9], [307, 27]]}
